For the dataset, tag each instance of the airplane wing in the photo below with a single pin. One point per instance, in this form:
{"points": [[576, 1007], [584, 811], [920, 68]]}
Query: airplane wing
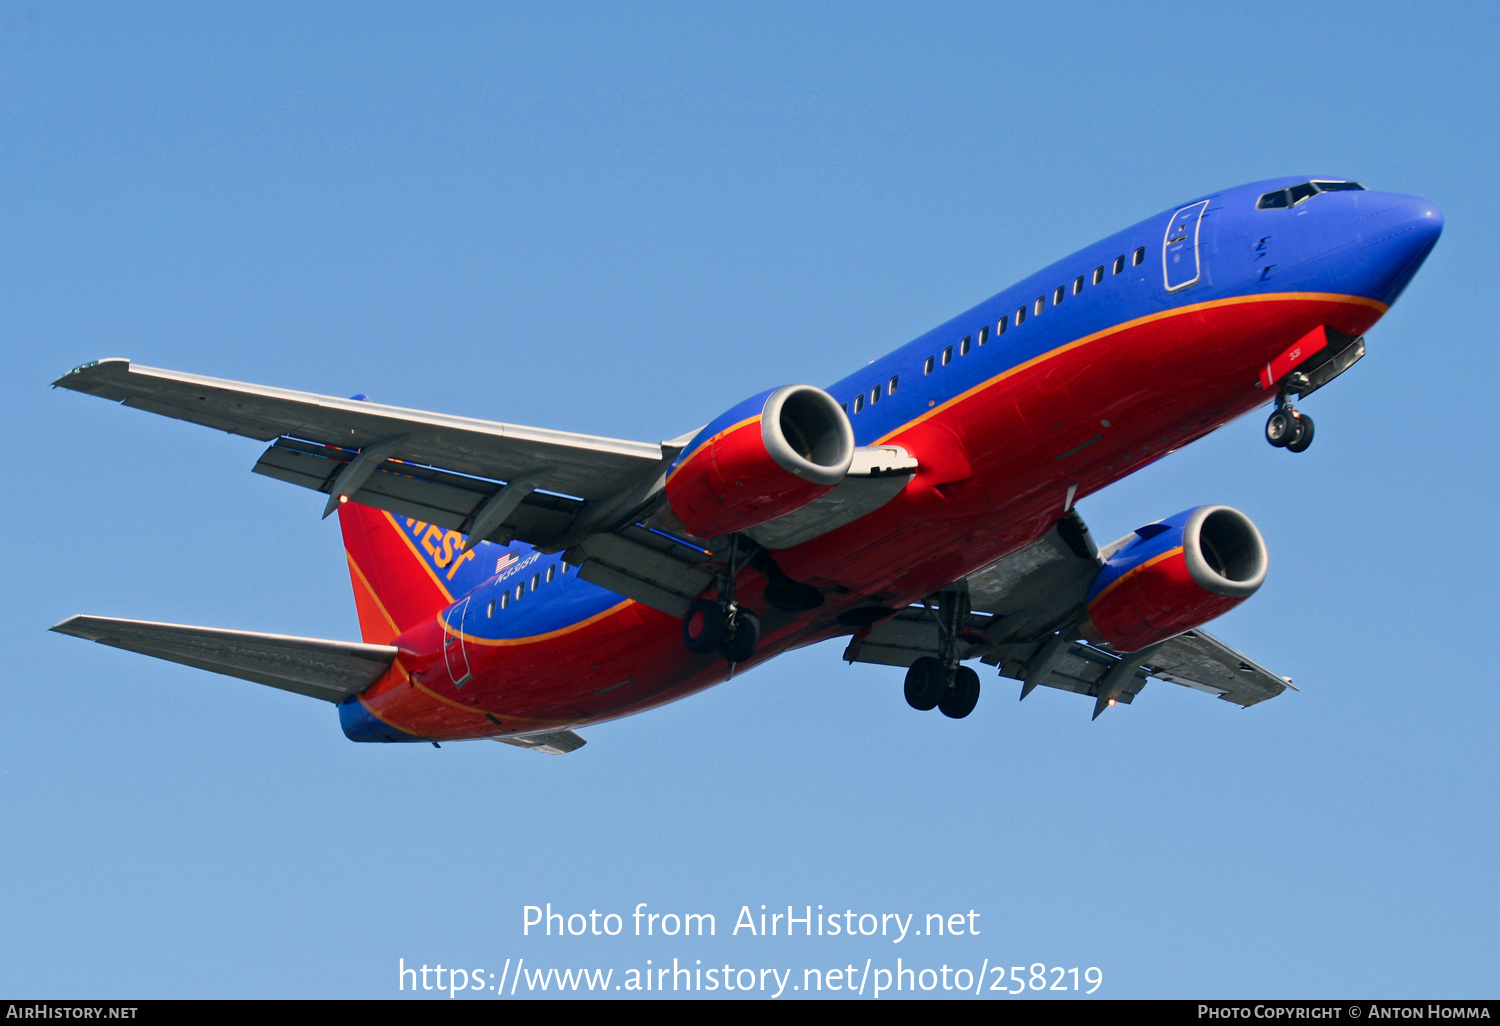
{"points": [[490, 481], [330, 670], [496, 481], [1019, 614]]}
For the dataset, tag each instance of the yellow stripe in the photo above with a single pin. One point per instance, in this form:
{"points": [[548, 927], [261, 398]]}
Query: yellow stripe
{"points": [[1133, 570], [1193, 308], [418, 554], [709, 441]]}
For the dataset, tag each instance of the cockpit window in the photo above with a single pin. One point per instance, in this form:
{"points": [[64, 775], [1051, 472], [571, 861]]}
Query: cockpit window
{"points": [[1297, 193], [1302, 192]]}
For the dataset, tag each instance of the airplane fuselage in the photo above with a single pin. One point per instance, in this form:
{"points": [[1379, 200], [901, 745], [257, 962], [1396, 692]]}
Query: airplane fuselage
{"points": [[1015, 409]]}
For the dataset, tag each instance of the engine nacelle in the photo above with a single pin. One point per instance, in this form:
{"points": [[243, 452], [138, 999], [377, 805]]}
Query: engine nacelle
{"points": [[1175, 575], [770, 455]]}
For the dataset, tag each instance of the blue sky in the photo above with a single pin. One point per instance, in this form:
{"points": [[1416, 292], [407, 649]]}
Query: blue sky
{"points": [[621, 220]]}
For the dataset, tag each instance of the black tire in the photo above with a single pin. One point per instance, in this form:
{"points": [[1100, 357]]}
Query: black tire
{"points": [[703, 627], [1281, 428], [1304, 435], [742, 639], [962, 696], [926, 681]]}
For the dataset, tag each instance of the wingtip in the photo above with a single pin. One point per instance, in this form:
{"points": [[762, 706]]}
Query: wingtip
{"points": [[73, 377]]}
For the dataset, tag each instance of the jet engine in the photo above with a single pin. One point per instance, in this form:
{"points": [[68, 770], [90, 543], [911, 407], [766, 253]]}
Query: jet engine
{"points": [[1174, 575], [770, 455]]}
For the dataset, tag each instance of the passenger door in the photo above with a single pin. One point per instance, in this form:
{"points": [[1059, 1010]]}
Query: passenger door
{"points": [[1180, 259], [455, 646]]}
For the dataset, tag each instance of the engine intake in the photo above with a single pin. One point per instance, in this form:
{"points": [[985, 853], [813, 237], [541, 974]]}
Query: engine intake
{"points": [[770, 455], [1175, 575]]}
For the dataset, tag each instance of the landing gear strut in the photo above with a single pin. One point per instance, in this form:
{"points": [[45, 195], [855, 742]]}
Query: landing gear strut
{"points": [[943, 683], [1287, 427], [722, 624]]}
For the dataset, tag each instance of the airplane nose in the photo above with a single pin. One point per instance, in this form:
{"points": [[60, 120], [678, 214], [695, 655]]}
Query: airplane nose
{"points": [[1397, 234]]}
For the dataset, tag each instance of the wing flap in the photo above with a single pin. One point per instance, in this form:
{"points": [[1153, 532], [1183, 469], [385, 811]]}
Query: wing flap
{"points": [[330, 670]]}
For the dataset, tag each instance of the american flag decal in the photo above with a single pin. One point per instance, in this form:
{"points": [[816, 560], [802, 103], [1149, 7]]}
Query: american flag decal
{"points": [[505, 561]]}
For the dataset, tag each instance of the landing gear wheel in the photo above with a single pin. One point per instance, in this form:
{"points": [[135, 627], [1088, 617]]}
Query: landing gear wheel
{"points": [[962, 696], [1281, 427], [704, 627], [926, 681], [743, 637], [1304, 435]]}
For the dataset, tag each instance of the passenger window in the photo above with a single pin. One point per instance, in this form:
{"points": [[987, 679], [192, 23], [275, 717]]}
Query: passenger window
{"points": [[927, 367], [859, 402], [947, 356], [1140, 254], [505, 600], [489, 610], [984, 334], [1020, 316], [875, 394], [1119, 265], [892, 389], [1040, 305], [844, 407], [520, 590], [1057, 295], [552, 573], [963, 347], [1077, 285], [1098, 274], [1004, 323]]}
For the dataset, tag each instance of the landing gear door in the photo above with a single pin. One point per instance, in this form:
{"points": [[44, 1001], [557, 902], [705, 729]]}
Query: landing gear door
{"points": [[455, 646], [1180, 249]]}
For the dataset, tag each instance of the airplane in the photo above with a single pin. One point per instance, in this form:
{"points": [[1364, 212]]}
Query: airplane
{"points": [[516, 583]]}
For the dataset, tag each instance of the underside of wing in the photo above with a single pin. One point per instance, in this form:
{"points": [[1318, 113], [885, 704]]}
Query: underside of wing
{"points": [[494, 480], [330, 670]]}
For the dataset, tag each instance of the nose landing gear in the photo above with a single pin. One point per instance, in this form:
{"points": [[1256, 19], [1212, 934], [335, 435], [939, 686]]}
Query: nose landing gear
{"points": [[1287, 427]]}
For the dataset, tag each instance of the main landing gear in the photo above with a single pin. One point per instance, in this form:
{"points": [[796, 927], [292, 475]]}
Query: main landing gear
{"points": [[943, 683], [722, 624], [953, 690], [1287, 427]]}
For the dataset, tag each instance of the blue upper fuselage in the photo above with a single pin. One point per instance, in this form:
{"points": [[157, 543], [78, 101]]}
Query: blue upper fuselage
{"points": [[1348, 242]]}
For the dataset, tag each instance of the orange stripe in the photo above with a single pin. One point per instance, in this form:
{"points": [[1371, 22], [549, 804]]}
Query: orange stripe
{"points": [[1133, 570], [707, 442], [1193, 308], [370, 591]]}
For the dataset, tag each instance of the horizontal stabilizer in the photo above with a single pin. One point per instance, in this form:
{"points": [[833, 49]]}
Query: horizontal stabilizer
{"points": [[330, 670], [555, 742]]}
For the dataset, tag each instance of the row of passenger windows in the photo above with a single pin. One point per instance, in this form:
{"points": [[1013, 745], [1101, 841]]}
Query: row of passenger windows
{"points": [[889, 388], [1001, 327], [518, 592], [1036, 308]]}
